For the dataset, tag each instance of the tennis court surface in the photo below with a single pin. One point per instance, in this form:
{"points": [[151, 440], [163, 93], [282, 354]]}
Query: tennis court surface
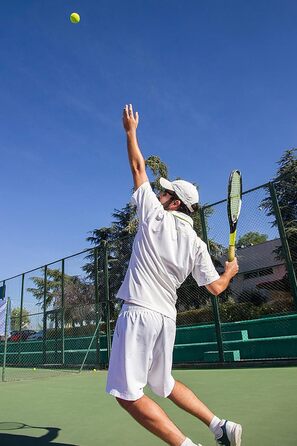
{"points": [[73, 409]]}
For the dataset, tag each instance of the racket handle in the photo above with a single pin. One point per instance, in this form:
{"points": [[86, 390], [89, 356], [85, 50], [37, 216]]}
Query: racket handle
{"points": [[231, 249], [231, 253]]}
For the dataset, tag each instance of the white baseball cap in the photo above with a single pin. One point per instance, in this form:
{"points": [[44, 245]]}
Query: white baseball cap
{"points": [[186, 191]]}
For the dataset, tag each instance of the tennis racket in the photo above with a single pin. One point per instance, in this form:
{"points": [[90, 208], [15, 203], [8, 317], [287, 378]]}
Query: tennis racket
{"points": [[233, 209]]}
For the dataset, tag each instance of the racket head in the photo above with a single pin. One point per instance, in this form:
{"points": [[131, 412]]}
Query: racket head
{"points": [[234, 198], [11, 425]]}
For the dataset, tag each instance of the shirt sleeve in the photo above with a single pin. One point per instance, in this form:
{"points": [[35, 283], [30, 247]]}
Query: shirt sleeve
{"points": [[145, 200], [204, 271]]}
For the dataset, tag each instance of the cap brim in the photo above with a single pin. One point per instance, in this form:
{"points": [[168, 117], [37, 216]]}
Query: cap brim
{"points": [[166, 184]]}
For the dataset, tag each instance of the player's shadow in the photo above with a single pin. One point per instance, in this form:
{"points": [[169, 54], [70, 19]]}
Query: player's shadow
{"points": [[25, 440]]}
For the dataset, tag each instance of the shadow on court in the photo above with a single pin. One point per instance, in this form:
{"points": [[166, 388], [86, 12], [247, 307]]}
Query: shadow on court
{"points": [[27, 440]]}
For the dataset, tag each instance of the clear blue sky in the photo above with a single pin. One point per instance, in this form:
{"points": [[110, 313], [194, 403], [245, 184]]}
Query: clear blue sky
{"points": [[214, 83]]}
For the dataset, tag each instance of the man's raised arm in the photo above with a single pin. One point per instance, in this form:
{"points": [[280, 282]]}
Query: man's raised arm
{"points": [[136, 160]]}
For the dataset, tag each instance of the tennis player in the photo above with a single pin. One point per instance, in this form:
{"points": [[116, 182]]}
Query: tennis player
{"points": [[166, 250]]}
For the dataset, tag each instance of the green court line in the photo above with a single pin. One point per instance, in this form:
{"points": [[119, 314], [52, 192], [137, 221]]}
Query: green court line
{"points": [[263, 400]]}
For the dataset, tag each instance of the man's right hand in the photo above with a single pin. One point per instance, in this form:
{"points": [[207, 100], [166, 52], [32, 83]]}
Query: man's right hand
{"points": [[130, 120], [218, 286], [231, 268], [136, 160]]}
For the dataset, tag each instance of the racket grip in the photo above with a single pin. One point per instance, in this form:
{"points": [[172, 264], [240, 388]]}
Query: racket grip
{"points": [[231, 253], [231, 249]]}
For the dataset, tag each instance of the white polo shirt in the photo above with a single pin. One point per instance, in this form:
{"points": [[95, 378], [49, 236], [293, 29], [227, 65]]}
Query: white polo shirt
{"points": [[166, 250]]}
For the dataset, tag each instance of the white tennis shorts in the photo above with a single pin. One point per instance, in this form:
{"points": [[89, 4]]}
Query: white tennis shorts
{"points": [[141, 354]]}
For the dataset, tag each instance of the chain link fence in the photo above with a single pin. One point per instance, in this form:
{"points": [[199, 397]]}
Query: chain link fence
{"points": [[59, 320], [63, 314], [255, 318]]}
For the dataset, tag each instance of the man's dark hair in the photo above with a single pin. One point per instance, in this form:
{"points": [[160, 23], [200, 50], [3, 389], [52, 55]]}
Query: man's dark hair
{"points": [[183, 208]]}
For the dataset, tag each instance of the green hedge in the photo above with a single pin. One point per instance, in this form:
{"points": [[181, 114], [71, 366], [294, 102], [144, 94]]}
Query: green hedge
{"points": [[231, 311]]}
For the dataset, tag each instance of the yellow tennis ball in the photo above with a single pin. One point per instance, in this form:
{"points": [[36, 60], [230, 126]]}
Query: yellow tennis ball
{"points": [[74, 17], [94, 370], [34, 368]]}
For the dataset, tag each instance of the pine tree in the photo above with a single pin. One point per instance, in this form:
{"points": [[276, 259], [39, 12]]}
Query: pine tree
{"points": [[285, 183]]}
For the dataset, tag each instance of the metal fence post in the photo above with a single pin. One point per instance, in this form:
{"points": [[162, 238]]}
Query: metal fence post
{"points": [[63, 310], [21, 318], [106, 298], [7, 315], [97, 305], [44, 314], [285, 244], [213, 298]]}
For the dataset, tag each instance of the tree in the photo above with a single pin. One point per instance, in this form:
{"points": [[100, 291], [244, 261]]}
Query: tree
{"points": [[79, 299], [99, 238], [285, 183], [53, 287], [251, 238], [78, 296], [158, 169], [15, 318]]}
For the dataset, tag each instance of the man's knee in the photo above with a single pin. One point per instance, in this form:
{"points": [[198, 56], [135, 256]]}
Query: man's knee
{"points": [[122, 403]]}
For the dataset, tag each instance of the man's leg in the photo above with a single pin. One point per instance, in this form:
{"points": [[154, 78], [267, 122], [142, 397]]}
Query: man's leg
{"points": [[150, 415], [184, 398], [225, 432]]}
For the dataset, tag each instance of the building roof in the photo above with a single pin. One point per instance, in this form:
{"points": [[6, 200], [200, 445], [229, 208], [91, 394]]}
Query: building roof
{"points": [[258, 256]]}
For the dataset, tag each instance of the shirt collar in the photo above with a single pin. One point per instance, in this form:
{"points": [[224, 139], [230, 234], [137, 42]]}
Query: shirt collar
{"points": [[184, 217]]}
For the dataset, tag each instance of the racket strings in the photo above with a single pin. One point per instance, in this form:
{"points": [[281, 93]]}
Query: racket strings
{"points": [[235, 196]]}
